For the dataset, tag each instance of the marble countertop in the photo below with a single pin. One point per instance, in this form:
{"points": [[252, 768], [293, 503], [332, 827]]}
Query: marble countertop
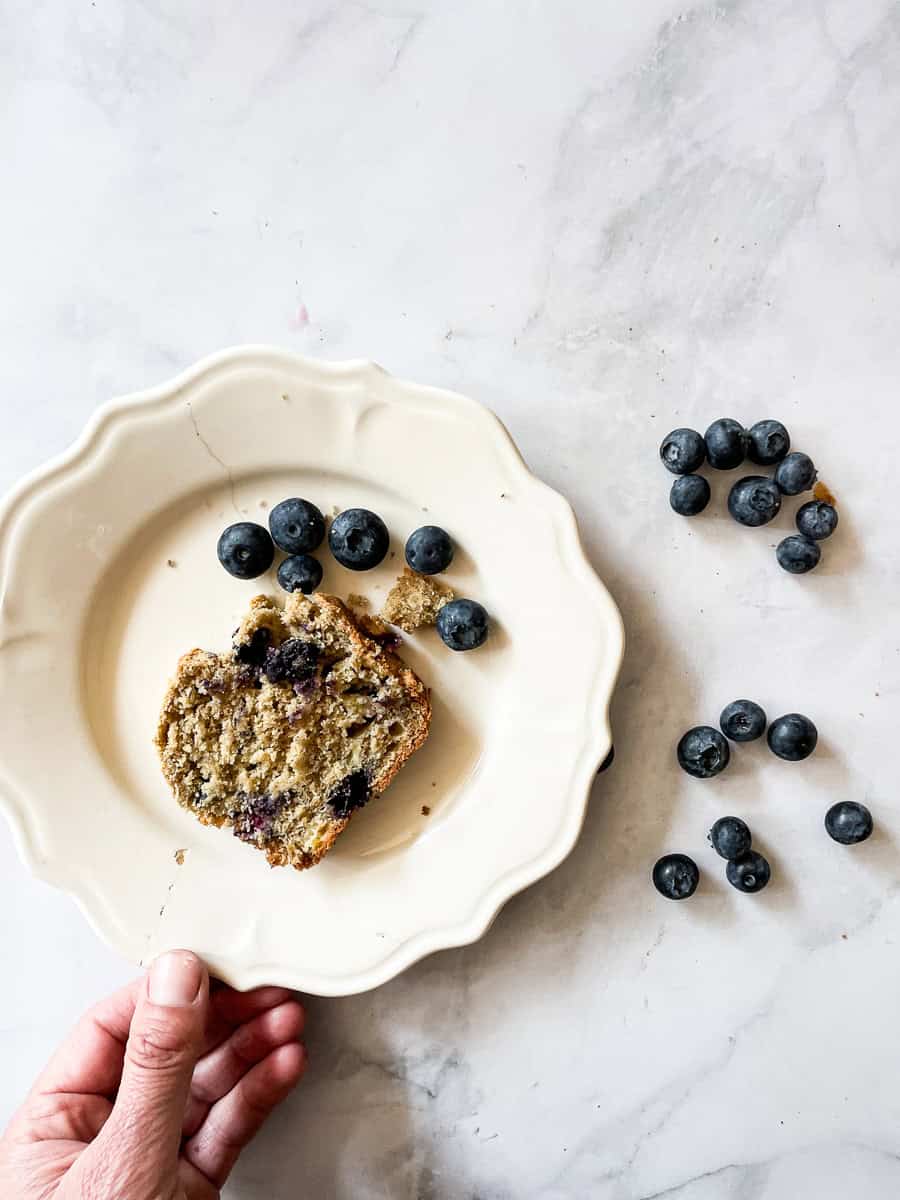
{"points": [[602, 220]]}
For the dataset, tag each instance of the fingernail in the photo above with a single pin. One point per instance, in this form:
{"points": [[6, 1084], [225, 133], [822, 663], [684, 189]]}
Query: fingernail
{"points": [[175, 979]]}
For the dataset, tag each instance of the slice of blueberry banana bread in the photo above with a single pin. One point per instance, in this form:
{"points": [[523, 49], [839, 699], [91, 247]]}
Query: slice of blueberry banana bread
{"points": [[304, 721]]}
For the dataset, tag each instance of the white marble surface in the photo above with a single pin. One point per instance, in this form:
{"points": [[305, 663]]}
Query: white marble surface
{"points": [[603, 220]]}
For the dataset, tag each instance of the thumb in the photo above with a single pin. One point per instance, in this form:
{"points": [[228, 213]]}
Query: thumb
{"points": [[163, 1047]]}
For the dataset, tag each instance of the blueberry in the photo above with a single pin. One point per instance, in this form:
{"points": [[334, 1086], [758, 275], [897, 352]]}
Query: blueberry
{"points": [[726, 444], [703, 752], [462, 624], [689, 495], [848, 822], [294, 661], [749, 873], [795, 474], [682, 451], [742, 721], [817, 520], [608, 761], [253, 652], [798, 554], [297, 526], [730, 837], [300, 573], [754, 500], [351, 793], [245, 550], [767, 443], [676, 876], [429, 550], [792, 737], [358, 539]]}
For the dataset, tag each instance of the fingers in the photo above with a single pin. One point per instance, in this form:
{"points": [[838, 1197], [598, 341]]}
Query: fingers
{"points": [[90, 1059], [163, 1045], [238, 1007], [229, 1008], [217, 1073], [234, 1120]]}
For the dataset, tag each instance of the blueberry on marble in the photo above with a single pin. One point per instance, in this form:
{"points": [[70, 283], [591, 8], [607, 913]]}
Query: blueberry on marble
{"points": [[359, 539], [749, 873], [682, 451], [754, 500], [817, 520], [689, 495], [730, 837], [297, 526], [743, 721], [245, 550], [726, 444], [849, 822], [796, 473], [703, 752], [798, 554], [462, 624], [429, 550], [300, 573], [676, 876], [792, 737], [767, 443]]}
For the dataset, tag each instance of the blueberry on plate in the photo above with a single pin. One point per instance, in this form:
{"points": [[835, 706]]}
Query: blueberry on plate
{"points": [[462, 624], [730, 837], [300, 573], [682, 451], [726, 444], [795, 474], [429, 550], [748, 873], [245, 550], [767, 443], [817, 520], [297, 526], [792, 737], [703, 752], [848, 822], [754, 500], [743, 721], [689, 495], [798, 554], [359, 539], [676, 876]]}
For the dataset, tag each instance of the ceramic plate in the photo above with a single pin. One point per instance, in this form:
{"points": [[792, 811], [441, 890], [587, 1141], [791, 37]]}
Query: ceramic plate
{"points": [[108, 572]]}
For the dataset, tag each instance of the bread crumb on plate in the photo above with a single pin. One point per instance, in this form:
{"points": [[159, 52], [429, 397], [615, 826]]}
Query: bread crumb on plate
{"points": [[415, 601]]}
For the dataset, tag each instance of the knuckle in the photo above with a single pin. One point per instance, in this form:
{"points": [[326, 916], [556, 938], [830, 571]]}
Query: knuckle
{"points": [[158, 1046]]}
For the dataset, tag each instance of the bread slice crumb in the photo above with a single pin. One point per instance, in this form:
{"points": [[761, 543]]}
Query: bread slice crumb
{"points": [[355, 600], [415, 601]]}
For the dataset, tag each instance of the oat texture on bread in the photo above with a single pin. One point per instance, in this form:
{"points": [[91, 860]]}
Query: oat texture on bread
{"points": [[415, 600], [303, 721]]}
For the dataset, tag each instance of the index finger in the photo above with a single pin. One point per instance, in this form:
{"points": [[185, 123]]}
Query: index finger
{"points": [[90, 1059]]}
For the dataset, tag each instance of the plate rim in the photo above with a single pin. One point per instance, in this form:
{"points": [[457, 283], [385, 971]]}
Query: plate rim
{"points": [[87, 892]]}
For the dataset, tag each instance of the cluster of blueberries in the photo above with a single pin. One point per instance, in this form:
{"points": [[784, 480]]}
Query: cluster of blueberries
{"points": [[755, 499], [359, 540], [704, 752]]}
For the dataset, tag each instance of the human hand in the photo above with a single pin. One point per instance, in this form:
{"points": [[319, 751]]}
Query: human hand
{"points": [[156, 1091]]}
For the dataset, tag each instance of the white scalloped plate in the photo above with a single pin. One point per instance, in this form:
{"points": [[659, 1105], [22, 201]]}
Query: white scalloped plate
{"points": [[108, 573]]}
